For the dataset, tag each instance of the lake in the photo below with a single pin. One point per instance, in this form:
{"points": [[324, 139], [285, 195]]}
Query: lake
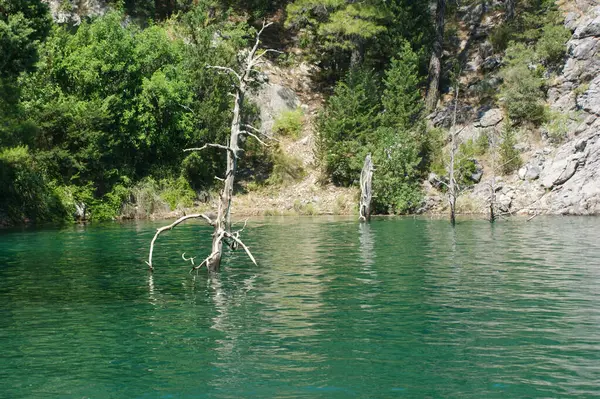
{"points": [[400, 307]]}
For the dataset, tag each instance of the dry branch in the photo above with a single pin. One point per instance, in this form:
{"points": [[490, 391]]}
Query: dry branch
{"points": [[222, 221], [169, 227], [366, 177]]}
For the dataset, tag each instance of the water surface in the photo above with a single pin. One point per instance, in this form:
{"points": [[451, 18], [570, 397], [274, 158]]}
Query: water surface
{"points": [[397, 308]]}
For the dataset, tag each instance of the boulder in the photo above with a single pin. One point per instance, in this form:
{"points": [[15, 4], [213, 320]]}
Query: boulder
{"points": [[490, 118], [529, 172], [560, 172], [478, 174]]}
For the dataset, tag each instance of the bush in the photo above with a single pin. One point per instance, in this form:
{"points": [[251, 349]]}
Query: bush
{"points": [[347, 126], [522, 89], [177, 193], [289, 123], [27, 193], [396, 188], [557, 127], [286, 169], [510, 158], [501, 36], [551, 47]]}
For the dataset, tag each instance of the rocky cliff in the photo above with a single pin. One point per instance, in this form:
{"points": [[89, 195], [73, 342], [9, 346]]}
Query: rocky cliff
{"points": [[555, 179], [72, 11]]}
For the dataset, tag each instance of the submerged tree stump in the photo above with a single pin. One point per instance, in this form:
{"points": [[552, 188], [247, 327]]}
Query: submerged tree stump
{"points": [[366, 177]]}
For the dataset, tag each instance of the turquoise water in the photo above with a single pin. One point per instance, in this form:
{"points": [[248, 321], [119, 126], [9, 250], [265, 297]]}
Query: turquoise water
{"points": [[397, 308]]}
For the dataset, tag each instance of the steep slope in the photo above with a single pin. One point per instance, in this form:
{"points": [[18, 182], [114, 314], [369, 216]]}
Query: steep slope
{"points": [[554, 179]]}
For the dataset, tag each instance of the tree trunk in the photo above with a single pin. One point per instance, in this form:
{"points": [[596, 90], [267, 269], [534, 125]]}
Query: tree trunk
{"points": [[493, 181], [452, 184], [358, 53], [510, 10], [222, 221], [366, 176], [435, 64]]}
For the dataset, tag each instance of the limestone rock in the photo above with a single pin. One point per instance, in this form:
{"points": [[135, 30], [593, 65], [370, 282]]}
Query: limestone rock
{"points": [[73, 11], [590, 100], [272, 100], [491, 118], [590, 26]]}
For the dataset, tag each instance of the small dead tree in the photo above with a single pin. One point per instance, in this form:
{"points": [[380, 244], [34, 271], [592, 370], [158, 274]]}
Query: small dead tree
{"points": [[366, 177], [452, 189], [492, 213], [222, 220]]}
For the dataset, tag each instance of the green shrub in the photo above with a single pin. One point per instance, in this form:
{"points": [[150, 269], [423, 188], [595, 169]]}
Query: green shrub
{"points": [[522, 91], [348, 125], [27, 193], [557, 127], [110, 205], [177, 193], [501, 36], [308, 209], [510, 158], [552, 44], [289, 123], [482, 144], [396, 188], [286, 169]]}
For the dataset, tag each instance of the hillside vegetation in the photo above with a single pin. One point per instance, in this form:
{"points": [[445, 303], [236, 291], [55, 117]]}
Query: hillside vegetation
{"points": [[97, 107]]}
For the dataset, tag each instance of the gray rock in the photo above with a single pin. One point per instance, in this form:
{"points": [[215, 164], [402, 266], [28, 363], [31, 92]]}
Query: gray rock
{"points": [[272, 100], [571, 20], [529, 172], [491, 63], [478, 174], [504, 202], [73, 11], [491, 118], [590, 100], [590, 26], [80, 211], [443, 117], [559, 172]]}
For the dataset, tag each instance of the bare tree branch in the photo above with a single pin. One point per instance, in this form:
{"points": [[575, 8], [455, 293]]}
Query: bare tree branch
{"points": [[225, 69], [234, 238], [205, 146], [169, 227], [255, 136]]}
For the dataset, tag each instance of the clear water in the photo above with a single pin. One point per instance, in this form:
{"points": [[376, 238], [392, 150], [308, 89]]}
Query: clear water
{"points": [[398, 308]]}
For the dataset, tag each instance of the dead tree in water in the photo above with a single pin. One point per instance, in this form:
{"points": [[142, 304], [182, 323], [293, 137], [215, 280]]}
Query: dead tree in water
{"points": [[492, 215], [366, 177], [222, 220], [452, 189]]}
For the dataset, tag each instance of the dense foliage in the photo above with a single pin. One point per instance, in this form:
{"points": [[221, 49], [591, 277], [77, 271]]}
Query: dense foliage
{"points": [[98, 113], [110, 104], [384, 118]]}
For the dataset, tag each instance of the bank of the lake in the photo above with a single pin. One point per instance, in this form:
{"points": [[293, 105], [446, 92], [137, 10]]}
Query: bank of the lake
{"points": [[400, 307]]}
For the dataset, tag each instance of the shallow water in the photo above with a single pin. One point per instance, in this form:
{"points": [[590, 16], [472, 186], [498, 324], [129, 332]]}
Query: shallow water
{"points": [[397, 308]]}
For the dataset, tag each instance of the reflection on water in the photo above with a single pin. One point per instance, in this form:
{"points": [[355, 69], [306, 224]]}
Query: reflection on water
{"points": [[395, 307]]}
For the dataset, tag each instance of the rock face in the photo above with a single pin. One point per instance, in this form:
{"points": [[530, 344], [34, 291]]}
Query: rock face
{"points": [[563, 179], [273, 99], [72, 11], [572, 174]]}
